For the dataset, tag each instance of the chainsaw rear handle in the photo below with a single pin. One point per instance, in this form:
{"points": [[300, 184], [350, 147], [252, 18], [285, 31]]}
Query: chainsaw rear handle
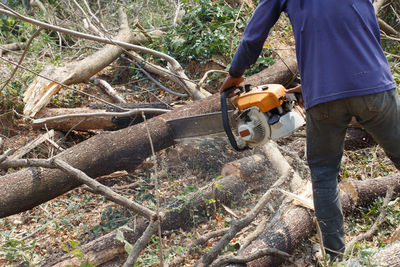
{"points": [[225, 120]]}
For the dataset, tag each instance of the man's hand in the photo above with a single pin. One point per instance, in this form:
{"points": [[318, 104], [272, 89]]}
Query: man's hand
{"points": [[296, 90], [230, 82]]}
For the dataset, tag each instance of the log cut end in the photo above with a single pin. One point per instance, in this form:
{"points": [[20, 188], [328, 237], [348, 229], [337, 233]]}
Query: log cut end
{"points": [[350, 188]]}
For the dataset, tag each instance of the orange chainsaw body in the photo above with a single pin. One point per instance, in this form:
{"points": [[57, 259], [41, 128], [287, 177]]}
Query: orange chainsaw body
{"points": [[265, 98]]}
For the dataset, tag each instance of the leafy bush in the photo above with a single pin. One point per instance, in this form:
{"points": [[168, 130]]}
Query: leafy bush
{"points": [[206, 29]]}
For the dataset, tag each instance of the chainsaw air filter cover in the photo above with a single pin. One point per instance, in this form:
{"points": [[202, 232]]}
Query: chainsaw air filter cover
{"points": [[254, 129]]}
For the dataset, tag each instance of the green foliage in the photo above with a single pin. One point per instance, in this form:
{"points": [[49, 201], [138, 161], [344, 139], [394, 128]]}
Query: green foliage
{"points": [[207, 29], [111, 219], [15, 250], [73, 248]]}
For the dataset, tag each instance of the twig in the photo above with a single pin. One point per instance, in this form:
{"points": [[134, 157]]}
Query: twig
{"points": [[107, 88], [224, 260], [208, 73], [236, 226], [20, 152], [93, 15], [36, 33], [321, 244], [157, 187], [141, 243], [102, 114], [378, 221], [155, 81], [177, 11], [197, 243], [234, 26], [63, 85], [106, 191], [4, 156], [253, 235]]}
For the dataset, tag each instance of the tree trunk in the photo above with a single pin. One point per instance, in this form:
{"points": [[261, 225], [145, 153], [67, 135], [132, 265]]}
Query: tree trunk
{"points": [[103, 154], [297, 222], [284, 70], [389, 255]]}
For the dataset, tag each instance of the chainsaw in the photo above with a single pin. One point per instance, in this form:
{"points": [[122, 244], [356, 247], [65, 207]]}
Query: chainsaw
{"points": [[259, 114]]}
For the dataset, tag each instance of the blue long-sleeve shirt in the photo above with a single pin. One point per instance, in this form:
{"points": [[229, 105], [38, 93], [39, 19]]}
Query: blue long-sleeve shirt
{"points": [[338, 47]]}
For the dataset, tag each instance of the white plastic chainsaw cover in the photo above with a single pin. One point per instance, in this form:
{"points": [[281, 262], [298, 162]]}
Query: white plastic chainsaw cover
{"points": [[286, 125]]}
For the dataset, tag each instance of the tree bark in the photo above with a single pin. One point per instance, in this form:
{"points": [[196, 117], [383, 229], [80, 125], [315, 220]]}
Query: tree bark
{"points": [[102, 154], [284, 70], [389, 255], [297, 222]]}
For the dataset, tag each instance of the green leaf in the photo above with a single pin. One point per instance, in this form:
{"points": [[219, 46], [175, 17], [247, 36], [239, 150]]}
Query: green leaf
{"points": [[73, 243], [219, 186]]}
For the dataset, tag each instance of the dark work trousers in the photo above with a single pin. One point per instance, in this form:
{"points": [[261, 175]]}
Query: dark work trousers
{"points": [[379, 114]]}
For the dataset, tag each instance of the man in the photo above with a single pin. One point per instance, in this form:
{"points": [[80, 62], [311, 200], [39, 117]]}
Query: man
{"points": [[344, 73]]}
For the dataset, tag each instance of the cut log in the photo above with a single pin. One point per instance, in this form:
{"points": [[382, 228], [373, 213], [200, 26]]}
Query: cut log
{"points": [[297, 223], [389, 255], [103, 154], [248, 168]]}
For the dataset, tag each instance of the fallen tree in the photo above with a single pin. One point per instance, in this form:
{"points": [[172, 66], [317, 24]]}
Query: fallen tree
{"points": [[105, 153], [297, 222]]}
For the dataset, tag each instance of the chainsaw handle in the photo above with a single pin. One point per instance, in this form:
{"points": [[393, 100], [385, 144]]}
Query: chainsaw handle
{"points": [[225, 119]]}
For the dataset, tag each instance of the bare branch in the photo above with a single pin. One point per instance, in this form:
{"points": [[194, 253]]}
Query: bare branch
{"points": [[224, 260], [102, 114], [208, 73], [141, 243], [10, 47], [21, 59], [157, 82], [157, 187], [197, 243], [108, 89], [236, 226], [31, 145], [253, 235]]}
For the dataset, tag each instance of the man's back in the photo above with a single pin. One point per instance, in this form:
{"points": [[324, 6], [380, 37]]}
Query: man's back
{"points": [[337, 45]]}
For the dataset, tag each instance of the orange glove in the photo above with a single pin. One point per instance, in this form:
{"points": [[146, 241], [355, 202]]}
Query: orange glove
{"points": [[230, 82]]}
